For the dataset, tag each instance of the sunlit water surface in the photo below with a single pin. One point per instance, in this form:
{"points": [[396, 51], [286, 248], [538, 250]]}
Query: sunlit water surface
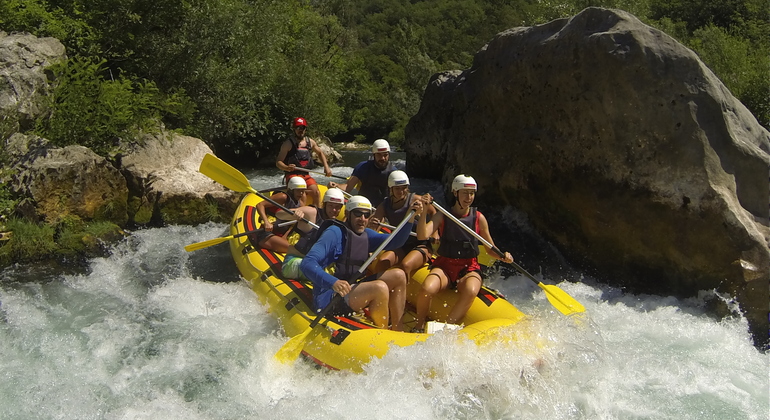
{"points": [[154, 332]]}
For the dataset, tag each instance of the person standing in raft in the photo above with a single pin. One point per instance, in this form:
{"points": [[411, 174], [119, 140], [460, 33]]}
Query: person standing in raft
{"points": [[333, 202], [297, 152], [372, 174], [456, 265], [415, 252], [348, 245], [270, 235]]}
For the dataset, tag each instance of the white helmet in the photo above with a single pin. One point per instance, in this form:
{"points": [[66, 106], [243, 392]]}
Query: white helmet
{"points": [[358, 202], [397, 179], [463, 182], [334, 195], [380, 146], [296, 183]]}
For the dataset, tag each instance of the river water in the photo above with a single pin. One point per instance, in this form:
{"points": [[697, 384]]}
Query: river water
{"points": [[154, 332]]}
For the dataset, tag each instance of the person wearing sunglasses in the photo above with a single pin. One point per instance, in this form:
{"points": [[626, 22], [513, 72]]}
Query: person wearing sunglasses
{"points": [[371, 175], [347, 245], [297, 152]]}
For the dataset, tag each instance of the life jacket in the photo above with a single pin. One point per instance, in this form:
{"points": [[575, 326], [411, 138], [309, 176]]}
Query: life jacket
{"points": [[455, 241], [374, 182], [300, 156], [355, 249], [271, 210], [396, 216]]}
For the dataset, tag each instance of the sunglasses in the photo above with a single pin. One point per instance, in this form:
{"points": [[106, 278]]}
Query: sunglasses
{"points": [[300, 127], [361, 213]]}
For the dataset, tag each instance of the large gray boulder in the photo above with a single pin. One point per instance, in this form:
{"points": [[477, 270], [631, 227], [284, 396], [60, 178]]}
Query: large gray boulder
{"points": [[622, 148], [23, 78], [63, 182], [166, 187]]}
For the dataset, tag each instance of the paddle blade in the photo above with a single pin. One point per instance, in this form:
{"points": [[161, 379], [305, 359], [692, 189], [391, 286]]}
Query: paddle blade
{"points": [[560, 300], [292, 349], [200, 245], [484, 258], [218, 170]]}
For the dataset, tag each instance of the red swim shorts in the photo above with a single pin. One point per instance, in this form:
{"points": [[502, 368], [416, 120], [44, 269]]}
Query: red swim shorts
{"points": [[308, 179], [456, 268]]}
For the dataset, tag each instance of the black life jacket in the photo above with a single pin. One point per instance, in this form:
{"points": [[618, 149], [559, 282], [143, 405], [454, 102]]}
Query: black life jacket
{"points": [[374, 182], [355, 249], [396, 216], [455, 241], [300, 156]]}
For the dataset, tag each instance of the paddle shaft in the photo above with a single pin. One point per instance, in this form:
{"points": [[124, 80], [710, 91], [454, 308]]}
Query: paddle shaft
{"points": [[363, 268], [319, 173], [481, 238]]}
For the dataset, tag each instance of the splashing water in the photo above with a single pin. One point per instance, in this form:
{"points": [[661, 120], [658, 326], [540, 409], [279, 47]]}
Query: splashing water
{"points": [[154, 332]]}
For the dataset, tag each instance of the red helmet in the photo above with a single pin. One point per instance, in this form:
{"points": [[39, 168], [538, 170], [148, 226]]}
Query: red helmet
{"points": [[299, 121]]}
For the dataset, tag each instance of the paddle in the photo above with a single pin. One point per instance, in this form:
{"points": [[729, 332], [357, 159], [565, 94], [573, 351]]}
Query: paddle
{"points": [[319, 173], [292, 349], [560, 300], [218, 170], [205, 244]]}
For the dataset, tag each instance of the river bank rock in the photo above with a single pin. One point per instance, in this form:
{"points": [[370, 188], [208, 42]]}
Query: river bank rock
{"points": [[68, 181], [23, 78], [622, 148], [166, 187]]}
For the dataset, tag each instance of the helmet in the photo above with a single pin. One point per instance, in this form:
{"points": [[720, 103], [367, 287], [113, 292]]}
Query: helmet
{"points": [[358, 202], [297, 183], [334, 195], [380, 146], [463, 182], [299, 121], [397, 179]]}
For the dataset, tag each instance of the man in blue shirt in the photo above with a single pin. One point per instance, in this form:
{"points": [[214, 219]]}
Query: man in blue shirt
{"points": [[348, 245], [372, 174]]}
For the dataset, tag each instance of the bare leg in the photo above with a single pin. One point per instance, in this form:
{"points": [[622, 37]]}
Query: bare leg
{"points": [[434, 283], [412, 262], [373, 294], [275, 243], [315, 194], [310, 214], [396, 281], [386, 260], [467, 288]]}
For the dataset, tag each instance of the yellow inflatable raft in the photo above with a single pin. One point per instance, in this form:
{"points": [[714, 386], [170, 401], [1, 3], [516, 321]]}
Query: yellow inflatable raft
{"points": [[342, 342]]}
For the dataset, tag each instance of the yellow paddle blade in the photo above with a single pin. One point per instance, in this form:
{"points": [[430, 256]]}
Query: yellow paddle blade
{"points": [[560, 300], [484, 258], [218, 170], [292, 349], [200, 245]]}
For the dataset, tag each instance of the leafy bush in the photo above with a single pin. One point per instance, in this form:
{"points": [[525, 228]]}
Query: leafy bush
{"points": [[89, 110]]}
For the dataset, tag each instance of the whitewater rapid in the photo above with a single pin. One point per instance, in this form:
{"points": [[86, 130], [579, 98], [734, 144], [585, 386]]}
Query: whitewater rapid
{"points": [[154, 332]]}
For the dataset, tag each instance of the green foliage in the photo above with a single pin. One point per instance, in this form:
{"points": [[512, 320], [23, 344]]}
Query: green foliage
{"points": [[235, 72], [29, 242], [743, 69], [95, 112]]}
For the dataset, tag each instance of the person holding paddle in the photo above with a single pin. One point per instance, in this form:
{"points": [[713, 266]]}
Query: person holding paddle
{"points": [[415, 252], [297, 152], [348, 245], [272, 236], [456, 265]]}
